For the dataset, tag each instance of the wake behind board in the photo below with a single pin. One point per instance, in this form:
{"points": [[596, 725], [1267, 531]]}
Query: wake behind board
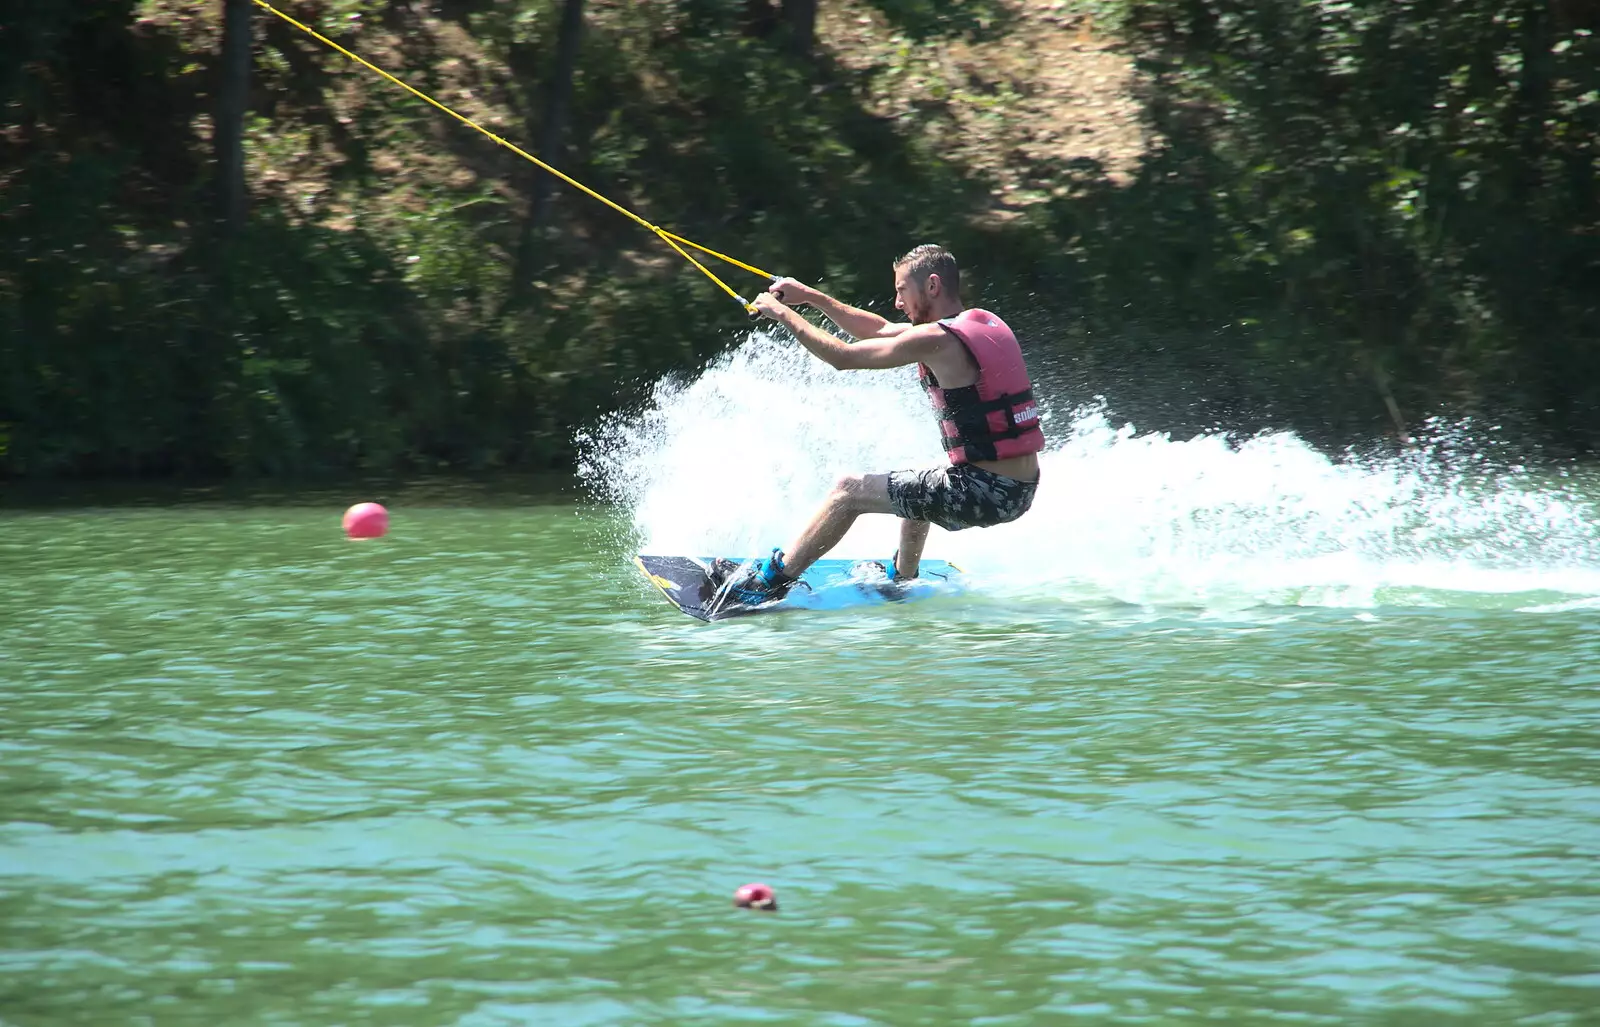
{"points": [[694, 585]]}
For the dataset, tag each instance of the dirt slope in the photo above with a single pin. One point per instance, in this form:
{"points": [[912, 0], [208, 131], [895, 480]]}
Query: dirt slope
{"points": [[1054, 88]]}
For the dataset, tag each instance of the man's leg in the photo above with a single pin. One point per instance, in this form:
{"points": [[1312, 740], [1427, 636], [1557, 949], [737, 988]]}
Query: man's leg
{"points": [[913, 536], [851, 497]]}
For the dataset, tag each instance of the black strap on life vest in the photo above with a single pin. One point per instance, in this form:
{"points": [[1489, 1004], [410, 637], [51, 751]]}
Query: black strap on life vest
{"points": [[970, 416]]}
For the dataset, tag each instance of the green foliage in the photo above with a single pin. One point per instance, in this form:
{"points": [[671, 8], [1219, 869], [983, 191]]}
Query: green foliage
{"points": [[1356, 210], [1386, 195]]}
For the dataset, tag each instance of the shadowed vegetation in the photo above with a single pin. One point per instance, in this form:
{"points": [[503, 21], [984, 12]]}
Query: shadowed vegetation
{"points": [[1355, 215]]}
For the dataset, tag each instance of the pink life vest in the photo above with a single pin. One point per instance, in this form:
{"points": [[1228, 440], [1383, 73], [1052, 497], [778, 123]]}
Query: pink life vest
{"points": [[995, 418]]}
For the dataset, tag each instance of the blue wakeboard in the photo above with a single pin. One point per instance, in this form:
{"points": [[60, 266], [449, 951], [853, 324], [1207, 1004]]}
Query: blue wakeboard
{"points": [[695, 585]]}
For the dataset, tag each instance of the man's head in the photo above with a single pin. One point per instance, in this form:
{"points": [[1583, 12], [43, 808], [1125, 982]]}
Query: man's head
{"points": [[927, 284]]}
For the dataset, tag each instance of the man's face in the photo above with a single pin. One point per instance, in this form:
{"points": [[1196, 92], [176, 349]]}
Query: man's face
{"points": [[911, 296]]}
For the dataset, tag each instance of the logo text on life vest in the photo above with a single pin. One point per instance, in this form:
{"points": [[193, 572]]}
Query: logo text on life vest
{"points": [[1022, 415]]}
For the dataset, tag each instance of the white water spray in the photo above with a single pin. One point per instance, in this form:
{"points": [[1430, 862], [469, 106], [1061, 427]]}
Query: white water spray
{"points": [[733, 462]]}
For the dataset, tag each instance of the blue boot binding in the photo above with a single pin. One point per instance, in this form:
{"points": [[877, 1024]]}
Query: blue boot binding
{"points": [[763, 582]]}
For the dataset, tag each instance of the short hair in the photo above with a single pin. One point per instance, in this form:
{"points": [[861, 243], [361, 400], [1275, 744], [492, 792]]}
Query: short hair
{"points": [[929, 259]]}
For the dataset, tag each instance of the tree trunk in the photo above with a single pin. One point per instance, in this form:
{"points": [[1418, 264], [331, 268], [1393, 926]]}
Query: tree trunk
{"points": [[552, 130], [1530, 106], [227, 136], [801, 16]]}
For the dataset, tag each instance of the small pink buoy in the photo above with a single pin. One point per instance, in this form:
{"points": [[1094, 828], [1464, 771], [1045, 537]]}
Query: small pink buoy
{"points": [[756, 896], [366, 520]]}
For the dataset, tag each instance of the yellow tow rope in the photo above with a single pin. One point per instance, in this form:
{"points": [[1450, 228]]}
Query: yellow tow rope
{"points": [[677, 242]]}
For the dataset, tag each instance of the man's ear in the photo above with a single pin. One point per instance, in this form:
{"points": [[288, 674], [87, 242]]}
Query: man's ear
{"points": [[933, 286]]}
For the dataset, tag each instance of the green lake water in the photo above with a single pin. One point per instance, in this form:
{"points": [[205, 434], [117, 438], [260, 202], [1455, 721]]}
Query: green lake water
{"points": [[477, 772]]}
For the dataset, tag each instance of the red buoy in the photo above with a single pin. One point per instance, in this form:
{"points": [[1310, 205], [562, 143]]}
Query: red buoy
{"points": [[366, 520], [756, 896]]}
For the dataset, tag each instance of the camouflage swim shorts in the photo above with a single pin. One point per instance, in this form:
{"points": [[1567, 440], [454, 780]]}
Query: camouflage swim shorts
{"points": [[959, 496]]}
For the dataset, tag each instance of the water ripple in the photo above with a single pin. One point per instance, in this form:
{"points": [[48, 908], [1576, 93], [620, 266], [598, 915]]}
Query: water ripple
{"points": [[255, 774]]}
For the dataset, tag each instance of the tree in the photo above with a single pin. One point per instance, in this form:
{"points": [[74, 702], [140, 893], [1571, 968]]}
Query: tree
{"points": [[801, 17], [227, 137], [552, 131]]}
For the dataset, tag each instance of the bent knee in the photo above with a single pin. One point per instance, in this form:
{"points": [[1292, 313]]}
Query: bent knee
{"points": [[846, 490], [861, 493]]}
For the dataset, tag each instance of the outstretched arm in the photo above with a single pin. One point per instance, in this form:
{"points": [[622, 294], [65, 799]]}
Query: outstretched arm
{"points": [[913, 343], [857, 323]]}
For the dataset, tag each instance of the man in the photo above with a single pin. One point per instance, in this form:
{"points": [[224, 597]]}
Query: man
{"points": [[973, 372]]}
